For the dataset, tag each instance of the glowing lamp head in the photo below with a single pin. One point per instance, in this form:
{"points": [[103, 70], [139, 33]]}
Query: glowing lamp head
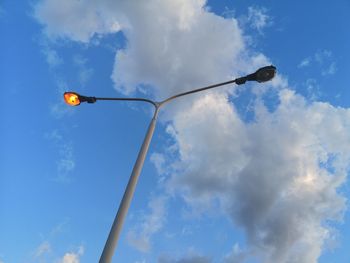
{"points": [[72, 98]]}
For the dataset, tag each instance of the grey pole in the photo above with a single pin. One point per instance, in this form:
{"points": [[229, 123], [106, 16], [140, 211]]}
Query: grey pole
{"points": [[114, 233]]}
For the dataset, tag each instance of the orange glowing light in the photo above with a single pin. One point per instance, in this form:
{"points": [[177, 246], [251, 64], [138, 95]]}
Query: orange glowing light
{"points": [[71, 98]]}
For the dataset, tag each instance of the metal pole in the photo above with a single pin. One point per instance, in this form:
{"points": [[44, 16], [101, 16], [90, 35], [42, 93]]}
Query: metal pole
{"points": [[114, 233]]}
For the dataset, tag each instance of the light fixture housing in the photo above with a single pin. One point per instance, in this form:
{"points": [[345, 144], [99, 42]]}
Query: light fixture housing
{"points": [[263, 74], [72, 98]]}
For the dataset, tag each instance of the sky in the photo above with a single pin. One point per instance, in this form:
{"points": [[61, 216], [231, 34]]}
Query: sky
{"points": [[256, 173]]}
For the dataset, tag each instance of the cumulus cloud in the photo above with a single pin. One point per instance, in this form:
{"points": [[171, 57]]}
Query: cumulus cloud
{"points": [[185, 46], [139, 237], [76, 20], [276, 176], [187, 41]]}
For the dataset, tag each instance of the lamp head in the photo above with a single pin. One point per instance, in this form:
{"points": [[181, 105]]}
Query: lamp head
{"points": [[263, 74], [74, 99]]}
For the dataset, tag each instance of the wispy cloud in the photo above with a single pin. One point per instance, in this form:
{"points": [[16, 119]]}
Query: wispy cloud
{"points": [[47, 250], [140, 236], [52, 57], [330, 70], [237, 255], [313, 89], [66, 162], [258, 18], [323, 59], [322, 55], [42, 249], [59, 109], [305, 62], [158, 161], [84, 71], [2, 11], [45, 253]]}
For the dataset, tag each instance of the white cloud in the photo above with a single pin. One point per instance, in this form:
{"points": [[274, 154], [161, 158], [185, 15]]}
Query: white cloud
{"points": [[180, 52], [140, 236], [276, 177], [174, 26], [76, 20], [72, 257], [270, 176]]}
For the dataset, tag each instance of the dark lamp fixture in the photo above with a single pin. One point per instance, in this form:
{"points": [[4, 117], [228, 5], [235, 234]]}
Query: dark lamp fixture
{"points": [[263, 74]]}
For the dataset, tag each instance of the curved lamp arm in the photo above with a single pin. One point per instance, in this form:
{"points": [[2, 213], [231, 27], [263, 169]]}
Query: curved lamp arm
{"points": [[261, 75]]}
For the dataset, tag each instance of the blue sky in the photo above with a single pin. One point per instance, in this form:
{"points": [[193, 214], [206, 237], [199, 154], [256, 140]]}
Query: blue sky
{"points": [[250, 174]]}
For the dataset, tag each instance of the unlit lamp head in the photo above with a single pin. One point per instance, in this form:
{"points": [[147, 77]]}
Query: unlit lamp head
{"points": [[264, 74], [261, 75]]}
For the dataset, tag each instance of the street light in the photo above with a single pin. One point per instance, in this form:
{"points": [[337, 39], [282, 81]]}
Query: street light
{"points": [[74, 99]]}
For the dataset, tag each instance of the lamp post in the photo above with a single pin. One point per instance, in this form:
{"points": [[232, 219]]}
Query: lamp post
{"points": [[74, 99]]}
